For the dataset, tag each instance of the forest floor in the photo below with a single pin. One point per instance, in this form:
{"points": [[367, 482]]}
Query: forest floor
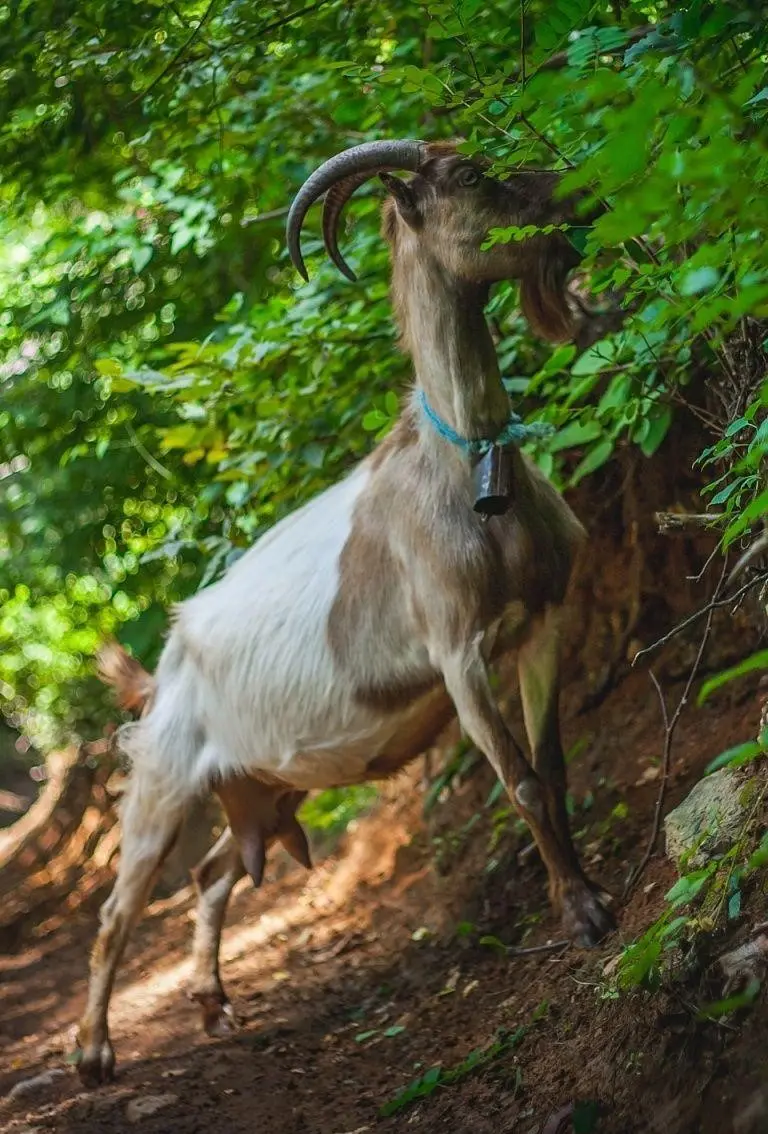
{"points": [[352, 981]]}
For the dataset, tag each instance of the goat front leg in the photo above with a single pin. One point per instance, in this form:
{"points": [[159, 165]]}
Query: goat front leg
{"points": [[538, 664], [149, 830], [585, 919], [214, 878]]}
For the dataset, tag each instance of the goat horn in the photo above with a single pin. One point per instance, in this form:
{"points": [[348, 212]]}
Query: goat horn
{"points": [[346, 170]]}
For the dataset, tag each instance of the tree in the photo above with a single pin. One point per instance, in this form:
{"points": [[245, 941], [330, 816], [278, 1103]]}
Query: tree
{"points": [[168, 388]]}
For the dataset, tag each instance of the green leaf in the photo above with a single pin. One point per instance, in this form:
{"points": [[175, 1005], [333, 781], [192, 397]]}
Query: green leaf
{"points": [[722, 1008], [699, 280], [373, 420], [737, 756], [494, 943], [598, 357], [687, 887], [108, 367], [754, 662], [575, 434], [761, 96], [593, 460], [757, 509], [658, 427], [141, 256]]}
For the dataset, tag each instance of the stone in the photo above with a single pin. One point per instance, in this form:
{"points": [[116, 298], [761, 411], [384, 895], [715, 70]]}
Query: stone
{"points": [[709, 819], [36, 1083], [146, 1105]]}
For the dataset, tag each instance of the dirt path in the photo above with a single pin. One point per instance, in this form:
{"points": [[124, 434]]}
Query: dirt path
{"points": [[356, 979]]}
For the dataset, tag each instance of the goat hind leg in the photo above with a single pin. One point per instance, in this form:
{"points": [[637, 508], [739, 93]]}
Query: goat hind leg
{"points": [[149, 830], [214, 878]]}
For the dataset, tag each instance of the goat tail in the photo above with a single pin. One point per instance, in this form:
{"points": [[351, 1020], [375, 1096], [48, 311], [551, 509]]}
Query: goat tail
{"points": [[133, 684]]}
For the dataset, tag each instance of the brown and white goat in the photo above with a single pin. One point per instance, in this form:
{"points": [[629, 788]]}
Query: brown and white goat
{"points": [[333, 651]]}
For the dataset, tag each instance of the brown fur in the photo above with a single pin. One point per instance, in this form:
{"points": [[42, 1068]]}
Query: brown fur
{"points": [[431, 715], [257, 816], [460, 219], [133, 685]]}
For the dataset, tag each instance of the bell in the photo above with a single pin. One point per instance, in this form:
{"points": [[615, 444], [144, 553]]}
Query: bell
{"points": [[492, 477]]}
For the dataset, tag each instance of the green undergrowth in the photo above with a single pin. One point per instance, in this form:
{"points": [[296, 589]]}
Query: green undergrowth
{"points": [[481, 1058], [706, 900], [330, 812]]}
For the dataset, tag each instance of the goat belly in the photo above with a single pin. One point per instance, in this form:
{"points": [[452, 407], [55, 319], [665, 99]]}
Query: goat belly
{"points": [[381, 745]]}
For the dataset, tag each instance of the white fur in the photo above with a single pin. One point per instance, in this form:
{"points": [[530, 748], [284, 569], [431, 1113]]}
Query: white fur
{"points": [[247, 680]]}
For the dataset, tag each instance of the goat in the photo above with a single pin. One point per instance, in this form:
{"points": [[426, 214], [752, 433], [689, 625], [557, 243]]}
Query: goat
{"points": [[334, 650]]}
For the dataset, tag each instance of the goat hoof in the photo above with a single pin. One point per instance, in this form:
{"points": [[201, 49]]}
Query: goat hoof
{"points": [[586, 920], [219, 1018], [95, 1065]]}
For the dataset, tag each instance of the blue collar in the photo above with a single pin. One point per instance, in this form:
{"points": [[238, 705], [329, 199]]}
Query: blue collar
{"points": [[515, 432]]}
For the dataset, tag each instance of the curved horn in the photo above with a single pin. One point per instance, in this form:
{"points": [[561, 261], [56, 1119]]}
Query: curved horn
{"points": [[333, 206], [352, 165]]}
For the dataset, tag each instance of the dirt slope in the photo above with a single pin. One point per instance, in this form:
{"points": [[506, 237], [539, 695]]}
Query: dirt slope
{"points": [[373, 940], [357, 978]]}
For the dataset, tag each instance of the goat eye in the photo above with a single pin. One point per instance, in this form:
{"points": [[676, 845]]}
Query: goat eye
{"points": [[468, 176]]}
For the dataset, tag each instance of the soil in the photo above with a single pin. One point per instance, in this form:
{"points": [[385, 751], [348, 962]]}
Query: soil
{"points": [[354, 979]]}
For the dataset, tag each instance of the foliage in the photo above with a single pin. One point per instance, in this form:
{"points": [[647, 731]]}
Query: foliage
{"points": [[169, 390], [435, 1077], [332, 811], [701, 901], [756, 661]]}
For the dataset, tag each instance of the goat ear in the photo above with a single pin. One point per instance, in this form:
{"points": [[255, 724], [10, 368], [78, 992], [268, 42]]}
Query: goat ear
{"points": [[404, 197]]}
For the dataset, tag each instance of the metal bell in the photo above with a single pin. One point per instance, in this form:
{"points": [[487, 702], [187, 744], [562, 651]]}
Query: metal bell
{"points": [[493, 482]]}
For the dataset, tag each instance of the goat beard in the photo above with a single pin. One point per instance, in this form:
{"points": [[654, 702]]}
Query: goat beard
{"points": [[544, 296]]}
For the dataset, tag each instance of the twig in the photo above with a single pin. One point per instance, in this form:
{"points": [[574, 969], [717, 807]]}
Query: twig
{"points": [[522, 45], [758, 548], [554, 63], [679, 521], [283, 20], [271, 214], [266, 29], [560, 59], [550, 947], [697, 578], [545, 140], [153, 463], [669, 732], [179, 54], [714, 602]]}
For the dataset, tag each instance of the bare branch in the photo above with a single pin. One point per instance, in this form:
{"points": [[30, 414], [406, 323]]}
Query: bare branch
{"points": [[179, 55], [682, 521], [669, 732], [715, 602]]}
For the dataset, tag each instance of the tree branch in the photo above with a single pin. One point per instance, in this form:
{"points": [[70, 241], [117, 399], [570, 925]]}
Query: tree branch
{"points": [[681, 521], [179, 54], [669, 732]]}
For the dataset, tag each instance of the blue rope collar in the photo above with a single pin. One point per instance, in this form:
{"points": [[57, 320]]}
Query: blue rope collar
{"points": [[515, 432]]}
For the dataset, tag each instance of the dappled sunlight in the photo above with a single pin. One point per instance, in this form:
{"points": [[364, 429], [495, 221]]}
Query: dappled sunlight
{"points": [[368, 858]]}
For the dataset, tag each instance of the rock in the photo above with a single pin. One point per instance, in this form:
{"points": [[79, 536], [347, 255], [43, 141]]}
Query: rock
{"points": [[147, 1105], [36, 1083], [709, 819]]}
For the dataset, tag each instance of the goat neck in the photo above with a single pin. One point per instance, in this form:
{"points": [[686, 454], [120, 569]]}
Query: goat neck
{"points": [[445, 331]]}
